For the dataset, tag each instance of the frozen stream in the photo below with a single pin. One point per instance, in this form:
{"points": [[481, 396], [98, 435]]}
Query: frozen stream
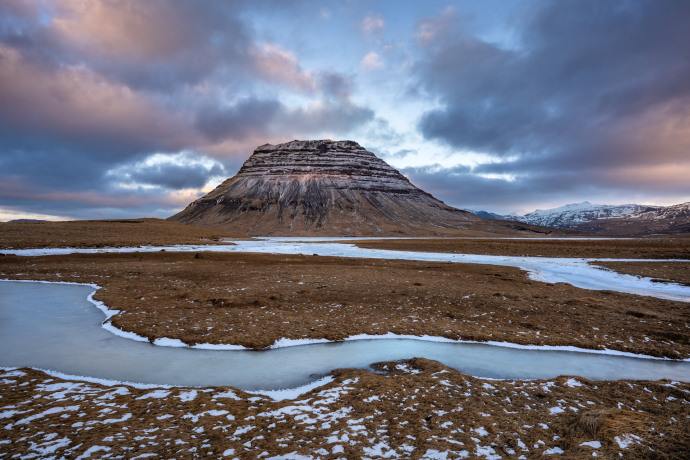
{"points": [[54, 326], [577, 272]]}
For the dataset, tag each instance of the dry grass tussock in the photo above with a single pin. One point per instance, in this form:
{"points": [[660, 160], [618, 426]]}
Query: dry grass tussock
{"points": [[605, 424]]}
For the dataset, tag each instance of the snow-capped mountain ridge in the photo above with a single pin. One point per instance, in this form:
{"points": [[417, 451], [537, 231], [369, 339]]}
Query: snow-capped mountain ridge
{"points": [[570, 214]]}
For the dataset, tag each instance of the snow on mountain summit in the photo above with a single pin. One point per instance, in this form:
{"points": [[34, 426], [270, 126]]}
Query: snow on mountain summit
{"points": [[574, 213]]}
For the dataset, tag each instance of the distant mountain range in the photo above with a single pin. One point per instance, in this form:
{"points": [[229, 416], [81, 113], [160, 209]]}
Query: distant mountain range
{"points": [[27, 220], [625, 219]]}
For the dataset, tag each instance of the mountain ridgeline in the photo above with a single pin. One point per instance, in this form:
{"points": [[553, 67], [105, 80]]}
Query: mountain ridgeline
{"points": [[328, 188], [626, 219]]}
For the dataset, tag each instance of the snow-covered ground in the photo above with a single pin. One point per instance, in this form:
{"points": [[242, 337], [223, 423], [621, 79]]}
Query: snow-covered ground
{"points": [[420, 410]]}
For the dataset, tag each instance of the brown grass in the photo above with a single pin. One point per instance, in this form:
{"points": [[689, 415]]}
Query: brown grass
{"points": [[105, 233], [605, 424]]}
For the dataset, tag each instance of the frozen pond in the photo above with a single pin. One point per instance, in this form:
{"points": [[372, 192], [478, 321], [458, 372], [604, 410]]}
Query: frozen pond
{"points": [[54, 326], [577, 272]]}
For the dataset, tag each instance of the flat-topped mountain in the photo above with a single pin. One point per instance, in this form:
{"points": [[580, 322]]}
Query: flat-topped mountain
{"points": [[325, 188]]}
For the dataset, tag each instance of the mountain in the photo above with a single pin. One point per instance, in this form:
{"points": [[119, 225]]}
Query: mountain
{"points": [[567, 216], [490, 215], [27, 220], [625, 219], [328, 188], [649, 220]]}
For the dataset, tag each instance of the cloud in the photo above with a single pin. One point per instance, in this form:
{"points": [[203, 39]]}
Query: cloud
{"points": [[91, 204], [584, 88], [248, 117], [175, 172], [322, 118], [371, 61], [403, 153], [558, 99], [153, 44], [279, 65], [73, 103], [372, 24], [482, 188], [427, 29], [335, 85], [91, 92]]}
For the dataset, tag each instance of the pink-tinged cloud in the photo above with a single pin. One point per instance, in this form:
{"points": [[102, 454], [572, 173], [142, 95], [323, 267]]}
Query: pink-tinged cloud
{"points": [[278, 65], [372, 24], [115, 29], [75, 102], [21, 8], [371, 61], [428, 29]]}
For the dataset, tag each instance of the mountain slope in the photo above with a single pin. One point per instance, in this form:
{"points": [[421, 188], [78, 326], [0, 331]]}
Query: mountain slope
{"points": [[568, 215], [625, 219], [573, 214], [668, 220], [329, 188]]}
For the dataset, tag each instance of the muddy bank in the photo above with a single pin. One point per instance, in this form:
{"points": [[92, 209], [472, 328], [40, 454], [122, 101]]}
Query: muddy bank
{"points": [[254, 300], [104, 233], [648, 248], [412, 409]]}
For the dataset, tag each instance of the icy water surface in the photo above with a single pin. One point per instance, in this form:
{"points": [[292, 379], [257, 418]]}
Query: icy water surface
{"points": [[577, 272], [54, 326]]}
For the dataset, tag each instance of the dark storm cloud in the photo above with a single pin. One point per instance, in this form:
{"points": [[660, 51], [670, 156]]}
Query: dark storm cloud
{"points": [[582, 84]]}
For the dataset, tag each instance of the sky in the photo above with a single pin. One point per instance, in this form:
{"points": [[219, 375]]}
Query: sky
{"points": [[128, 108]]}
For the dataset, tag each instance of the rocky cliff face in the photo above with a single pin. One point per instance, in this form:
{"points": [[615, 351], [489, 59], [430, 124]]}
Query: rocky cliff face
{"points": [[316, 188]]}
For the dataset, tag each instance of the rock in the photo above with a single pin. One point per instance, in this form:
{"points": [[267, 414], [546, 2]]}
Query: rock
{"points": [[320, 187], [198, 255]]}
